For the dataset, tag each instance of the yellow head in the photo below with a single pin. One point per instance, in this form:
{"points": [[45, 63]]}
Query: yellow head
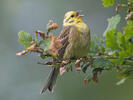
{"points": [[72, 18]]}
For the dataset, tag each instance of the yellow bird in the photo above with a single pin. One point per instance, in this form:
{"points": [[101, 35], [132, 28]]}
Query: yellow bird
{"points": [[75, 43]]}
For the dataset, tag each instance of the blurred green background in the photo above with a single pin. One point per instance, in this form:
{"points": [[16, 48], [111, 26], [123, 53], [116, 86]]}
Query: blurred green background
{"points": [[21, 78]]}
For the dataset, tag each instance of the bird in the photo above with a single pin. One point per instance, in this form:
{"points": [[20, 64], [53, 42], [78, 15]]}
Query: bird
{"points": [[75, 43]]}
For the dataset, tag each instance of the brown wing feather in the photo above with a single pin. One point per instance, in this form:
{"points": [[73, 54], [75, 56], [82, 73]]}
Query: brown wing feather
{"points": [[64, 37]]}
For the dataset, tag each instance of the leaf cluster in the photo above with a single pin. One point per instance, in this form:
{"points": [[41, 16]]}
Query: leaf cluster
{"points": [[119, 44], [114, 52]]}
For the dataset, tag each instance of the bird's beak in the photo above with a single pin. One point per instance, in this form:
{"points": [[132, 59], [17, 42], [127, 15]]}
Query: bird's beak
{"points": [[78, 14]]}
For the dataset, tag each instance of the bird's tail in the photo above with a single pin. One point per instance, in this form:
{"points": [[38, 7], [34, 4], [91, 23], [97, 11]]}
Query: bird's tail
{"points": [[51, 80]]}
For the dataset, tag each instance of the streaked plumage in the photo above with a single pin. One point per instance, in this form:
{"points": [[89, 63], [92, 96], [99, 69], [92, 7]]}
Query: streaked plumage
{"points": [[75, 40]]}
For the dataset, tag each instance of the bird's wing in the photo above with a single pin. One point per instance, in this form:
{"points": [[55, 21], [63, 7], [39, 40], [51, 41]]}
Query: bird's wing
{"points": [[64, 38]]}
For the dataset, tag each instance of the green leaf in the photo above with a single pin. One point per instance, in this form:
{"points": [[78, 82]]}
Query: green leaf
{"points": [[96, 38], [131, 1], [128, 30], [85, 66], [112, 23], [24, 38], [108, 3], [121, 41], [111, 40], [129, 21], [46, 43], [101, 63], [126, 72], [128, 36], [93, 48], [42, 56], [122, 54]]}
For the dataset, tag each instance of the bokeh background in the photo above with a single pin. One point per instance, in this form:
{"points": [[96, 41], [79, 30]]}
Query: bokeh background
{"points": [[21, 78]]}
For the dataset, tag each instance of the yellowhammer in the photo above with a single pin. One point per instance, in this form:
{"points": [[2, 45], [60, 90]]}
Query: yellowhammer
{"points": [[75, 43]]}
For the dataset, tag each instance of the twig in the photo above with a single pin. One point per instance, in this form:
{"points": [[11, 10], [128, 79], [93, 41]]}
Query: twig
{"points": [[74, 60], [42, 34], [127, 58]]}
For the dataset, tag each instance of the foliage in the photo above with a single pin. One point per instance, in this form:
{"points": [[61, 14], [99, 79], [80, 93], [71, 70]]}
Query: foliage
{"points": [[114, 52], [24, 38], [108, 3], [112, 23], [119, 44]]}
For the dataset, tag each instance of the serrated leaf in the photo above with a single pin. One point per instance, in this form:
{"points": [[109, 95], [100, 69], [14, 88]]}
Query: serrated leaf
{"points": [[128, 31], [24, 38], [121, 41], [125, 42], [108, 3], [122, 54], [85, 66], [128, 34], [111, 40], [26, 45], [112, 23], [127, 72], [93, 48], [46, 43], [101, 63]]}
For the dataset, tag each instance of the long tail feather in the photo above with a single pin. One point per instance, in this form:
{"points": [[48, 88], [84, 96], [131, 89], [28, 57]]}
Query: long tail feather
{"points": [[51, 80]]}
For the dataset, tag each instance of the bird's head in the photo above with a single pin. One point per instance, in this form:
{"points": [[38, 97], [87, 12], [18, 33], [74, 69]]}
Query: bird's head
{"points": [[72, 17]]}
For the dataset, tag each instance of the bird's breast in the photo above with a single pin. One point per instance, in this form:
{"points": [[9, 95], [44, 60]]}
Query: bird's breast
{"points": [[79, 44]]}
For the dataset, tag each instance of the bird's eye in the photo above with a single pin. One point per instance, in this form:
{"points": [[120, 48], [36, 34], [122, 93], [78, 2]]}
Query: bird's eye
{"points": [[72, 15]]}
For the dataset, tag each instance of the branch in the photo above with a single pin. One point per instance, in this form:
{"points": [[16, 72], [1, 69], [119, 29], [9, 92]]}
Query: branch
{"points": [[126, 58]]}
